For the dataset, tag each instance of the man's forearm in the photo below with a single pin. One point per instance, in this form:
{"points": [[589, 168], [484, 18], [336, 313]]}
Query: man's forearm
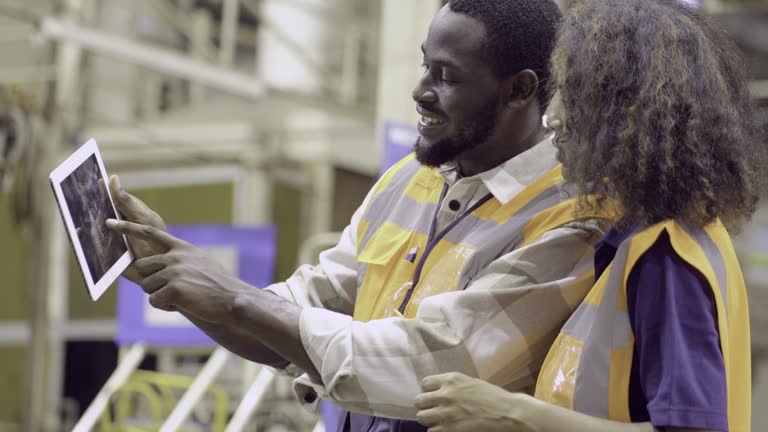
{"points": [[240, 342], [276, 325]]}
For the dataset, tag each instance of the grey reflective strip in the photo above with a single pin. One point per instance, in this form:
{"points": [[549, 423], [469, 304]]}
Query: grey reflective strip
{"points": [[380, 209], [714, 256], [602, 328], [581, 322], [492, 239], [362, 268], [411, 216], [478, 233]]}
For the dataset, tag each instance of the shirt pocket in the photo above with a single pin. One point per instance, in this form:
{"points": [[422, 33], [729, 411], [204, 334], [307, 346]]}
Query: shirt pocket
{"points": [[384, 268]]}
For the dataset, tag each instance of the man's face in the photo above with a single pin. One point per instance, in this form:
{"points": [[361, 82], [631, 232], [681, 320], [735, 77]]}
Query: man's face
{"points": [[458, 95]]}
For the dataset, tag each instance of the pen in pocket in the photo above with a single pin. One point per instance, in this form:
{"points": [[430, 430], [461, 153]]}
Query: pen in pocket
{"points": [[411, 257]]}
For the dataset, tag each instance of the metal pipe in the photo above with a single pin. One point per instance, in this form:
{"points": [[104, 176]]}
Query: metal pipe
{"points": [[128, 364], [228, 35], [158, 59], [251, 401], [183, 409]]}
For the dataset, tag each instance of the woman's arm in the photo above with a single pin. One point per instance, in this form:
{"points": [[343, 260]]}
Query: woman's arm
{"points": [[457, 403]]}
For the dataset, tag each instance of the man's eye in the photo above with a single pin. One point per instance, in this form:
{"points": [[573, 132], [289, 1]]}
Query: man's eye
{"points": [[448, 80]]}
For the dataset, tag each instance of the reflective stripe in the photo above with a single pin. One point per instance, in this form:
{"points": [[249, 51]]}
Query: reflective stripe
{"points": [[490, 238], [400, 217], [714, 256], [412, 219], [479, 233], [493, 240], [361, 269], [380, 208], [609, 329], [601, 331]]}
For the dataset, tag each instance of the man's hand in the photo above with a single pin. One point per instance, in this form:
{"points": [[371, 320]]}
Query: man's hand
{"points": [[456, 402], [182, 277], [134, 210]]}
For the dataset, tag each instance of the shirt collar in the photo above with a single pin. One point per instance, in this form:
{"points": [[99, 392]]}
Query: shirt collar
{"points": [[508, 179]]}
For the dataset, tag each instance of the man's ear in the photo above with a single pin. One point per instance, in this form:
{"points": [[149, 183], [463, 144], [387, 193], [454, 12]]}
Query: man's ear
{"points": [[522, 88]]}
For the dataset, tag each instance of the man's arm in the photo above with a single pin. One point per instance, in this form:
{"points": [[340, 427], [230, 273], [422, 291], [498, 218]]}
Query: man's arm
{"points": [[331, 284], [237, 341], [499, 329], [240, 343]]}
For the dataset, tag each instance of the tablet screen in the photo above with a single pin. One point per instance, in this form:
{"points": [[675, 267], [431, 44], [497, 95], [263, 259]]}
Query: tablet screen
{"points": [[85, 206], [90, 208]]}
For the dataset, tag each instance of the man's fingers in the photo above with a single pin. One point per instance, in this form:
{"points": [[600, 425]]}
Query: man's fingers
{"points": [[150, 265], [133, 275], [156, 281], [124, 201], [163, 299], [131, 207], [145, 232]]}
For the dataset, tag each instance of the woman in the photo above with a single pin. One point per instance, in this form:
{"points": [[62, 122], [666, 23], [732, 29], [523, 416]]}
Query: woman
{"points": [[655, 115]]}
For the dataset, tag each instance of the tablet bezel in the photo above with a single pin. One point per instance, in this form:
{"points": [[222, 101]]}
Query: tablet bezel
{"points": [[57, 176]]}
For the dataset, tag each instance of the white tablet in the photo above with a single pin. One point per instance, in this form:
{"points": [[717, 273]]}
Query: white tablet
{"points": [[85, 206]]}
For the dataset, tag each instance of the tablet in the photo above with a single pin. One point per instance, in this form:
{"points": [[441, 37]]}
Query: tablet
{"points": [[85, 205]]}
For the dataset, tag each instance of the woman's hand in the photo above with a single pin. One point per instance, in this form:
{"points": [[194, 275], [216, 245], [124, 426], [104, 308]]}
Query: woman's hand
{"points": [[456, 402]]}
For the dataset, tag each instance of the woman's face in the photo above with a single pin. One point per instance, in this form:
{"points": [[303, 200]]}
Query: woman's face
{"points": [[555, 120]]}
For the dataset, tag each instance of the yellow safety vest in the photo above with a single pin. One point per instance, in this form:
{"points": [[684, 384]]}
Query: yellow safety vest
{"points": [[402, 260], [588, 367]]}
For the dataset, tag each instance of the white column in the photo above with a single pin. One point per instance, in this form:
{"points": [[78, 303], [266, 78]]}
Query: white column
{"points": [[199, 44], [228, 35], [294, 42], [113, 85]]}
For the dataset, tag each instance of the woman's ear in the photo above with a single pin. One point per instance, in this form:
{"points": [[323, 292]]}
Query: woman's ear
{"points": [[522, 88]]}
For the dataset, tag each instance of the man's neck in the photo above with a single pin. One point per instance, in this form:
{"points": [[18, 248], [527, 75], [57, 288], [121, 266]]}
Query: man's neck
{"points": [[492, 154]]}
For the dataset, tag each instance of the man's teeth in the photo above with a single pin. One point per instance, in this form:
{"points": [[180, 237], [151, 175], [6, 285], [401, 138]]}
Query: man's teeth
{"points": [[431, 121]]}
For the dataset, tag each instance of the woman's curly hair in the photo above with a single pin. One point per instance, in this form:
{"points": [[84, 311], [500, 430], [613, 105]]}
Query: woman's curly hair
{"points": [[657, 112]]}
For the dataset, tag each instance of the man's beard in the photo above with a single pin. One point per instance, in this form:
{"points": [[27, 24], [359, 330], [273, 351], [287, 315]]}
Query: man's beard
{"points": [[470, 134]]}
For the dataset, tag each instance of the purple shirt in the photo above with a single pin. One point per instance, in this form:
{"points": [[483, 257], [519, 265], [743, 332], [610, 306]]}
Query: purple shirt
{"points": [[678, 374]]}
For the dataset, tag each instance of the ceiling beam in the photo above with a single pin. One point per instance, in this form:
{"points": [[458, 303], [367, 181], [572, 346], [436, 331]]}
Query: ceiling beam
{"points": [[156, 58]]}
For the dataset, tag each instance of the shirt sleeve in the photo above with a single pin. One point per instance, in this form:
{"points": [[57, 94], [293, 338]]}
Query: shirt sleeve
{"points": [[331, 284], [679, 364], [499, 329]]}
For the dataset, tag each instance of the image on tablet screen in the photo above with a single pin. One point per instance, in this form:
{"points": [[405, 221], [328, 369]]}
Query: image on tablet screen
{"points": [[89, 207]]}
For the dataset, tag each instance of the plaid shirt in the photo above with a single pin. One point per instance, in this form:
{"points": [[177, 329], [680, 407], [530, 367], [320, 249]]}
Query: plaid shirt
{"points": [[498, 329]]}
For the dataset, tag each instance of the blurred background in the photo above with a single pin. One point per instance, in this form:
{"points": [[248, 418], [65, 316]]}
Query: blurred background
{"points": [[277, 114]]}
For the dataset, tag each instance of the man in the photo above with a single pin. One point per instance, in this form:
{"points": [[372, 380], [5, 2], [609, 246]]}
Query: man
{"points": [[468, 257]]}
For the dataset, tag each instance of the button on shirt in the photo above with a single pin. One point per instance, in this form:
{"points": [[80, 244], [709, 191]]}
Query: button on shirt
{"points": [[376, 367]]}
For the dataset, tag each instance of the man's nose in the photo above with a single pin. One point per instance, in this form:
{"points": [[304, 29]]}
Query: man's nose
{"points": [[422, 93]]}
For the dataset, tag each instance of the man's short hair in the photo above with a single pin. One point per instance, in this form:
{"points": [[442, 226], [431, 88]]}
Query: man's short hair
{"points": [[521, 34]]}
